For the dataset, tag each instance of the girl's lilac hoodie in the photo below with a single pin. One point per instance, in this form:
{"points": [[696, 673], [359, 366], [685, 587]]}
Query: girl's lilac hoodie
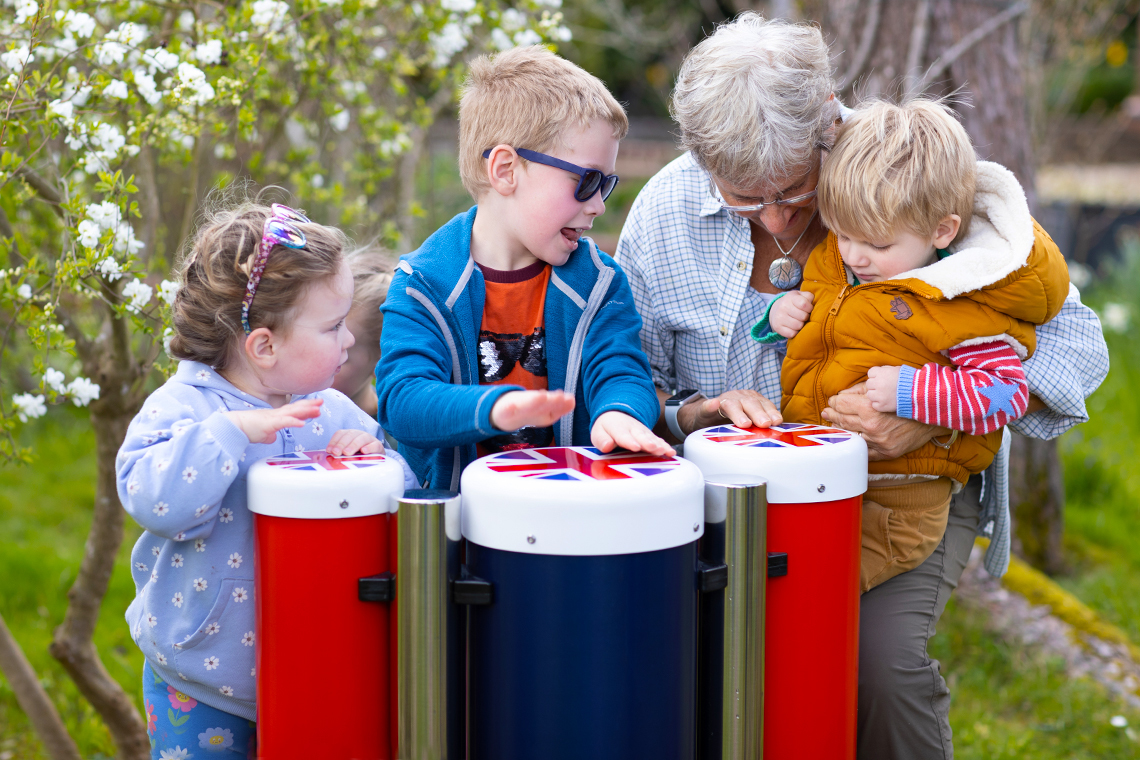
{"points": [[181, 475]]}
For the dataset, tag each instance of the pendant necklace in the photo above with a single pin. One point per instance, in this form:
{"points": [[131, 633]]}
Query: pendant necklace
{"points": [[786, 273]]}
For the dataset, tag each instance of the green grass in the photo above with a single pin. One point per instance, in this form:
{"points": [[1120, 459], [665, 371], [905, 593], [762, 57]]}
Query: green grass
{"points": [[1007, 701], [45, 512], [1102, 479]]}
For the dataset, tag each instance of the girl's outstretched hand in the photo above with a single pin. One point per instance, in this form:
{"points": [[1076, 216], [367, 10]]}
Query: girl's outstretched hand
{"points": [[347, 442], [261, 425]]}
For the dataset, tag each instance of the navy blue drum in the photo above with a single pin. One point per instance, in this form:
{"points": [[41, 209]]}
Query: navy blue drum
{"points": [[588, 646]]}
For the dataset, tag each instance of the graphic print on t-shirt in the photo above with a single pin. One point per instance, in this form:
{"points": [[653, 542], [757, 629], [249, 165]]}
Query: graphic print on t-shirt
{"points": [[512, 344]]}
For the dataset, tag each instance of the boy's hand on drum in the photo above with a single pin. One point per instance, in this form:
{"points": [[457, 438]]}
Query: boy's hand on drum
{"points": [[522, 408], [790, 313], [614, 428], [882, 388], [261, 425], [347, 442]]}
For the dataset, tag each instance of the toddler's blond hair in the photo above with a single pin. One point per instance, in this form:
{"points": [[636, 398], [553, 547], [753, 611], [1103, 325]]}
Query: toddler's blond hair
{"points": [[898, 167], [526, 97]]}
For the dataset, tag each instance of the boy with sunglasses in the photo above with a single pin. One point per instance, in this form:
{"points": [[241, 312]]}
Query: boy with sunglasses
{"points": [[507, 328]]}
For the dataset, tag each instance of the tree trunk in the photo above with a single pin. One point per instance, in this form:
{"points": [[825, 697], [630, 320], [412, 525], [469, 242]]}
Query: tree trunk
{"points": [[33, 699], [109, 361], [967, 50]]}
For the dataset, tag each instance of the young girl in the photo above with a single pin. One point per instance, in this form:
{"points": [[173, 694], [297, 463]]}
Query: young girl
{"points": [[259, 324]]}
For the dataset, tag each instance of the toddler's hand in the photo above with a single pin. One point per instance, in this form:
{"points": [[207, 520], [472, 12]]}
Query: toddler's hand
{"points": [[619, 429], [790, 313], [261, 425], [882, 388], [538, 408], [347, 442]]}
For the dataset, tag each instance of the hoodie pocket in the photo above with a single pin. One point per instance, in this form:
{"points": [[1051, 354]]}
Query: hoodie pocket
{"points": [[220, 653]]}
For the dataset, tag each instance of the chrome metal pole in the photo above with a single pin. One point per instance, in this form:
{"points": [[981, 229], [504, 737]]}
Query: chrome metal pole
{"points": [[730, 722], [430, 629]]}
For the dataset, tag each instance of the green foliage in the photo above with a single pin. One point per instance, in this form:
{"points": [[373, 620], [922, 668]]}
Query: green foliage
{"points": [[45, 512], [117, 115]]}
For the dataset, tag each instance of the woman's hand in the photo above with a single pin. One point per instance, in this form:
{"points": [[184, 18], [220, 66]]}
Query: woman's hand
{"points": [[888, 436], [261, 425], [741, 408]]}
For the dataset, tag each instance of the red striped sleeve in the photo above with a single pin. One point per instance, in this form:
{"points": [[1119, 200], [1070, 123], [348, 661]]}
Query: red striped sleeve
{"points": [[984, 390]]}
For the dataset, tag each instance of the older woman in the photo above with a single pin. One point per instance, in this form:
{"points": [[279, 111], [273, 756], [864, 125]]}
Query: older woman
{"points": [[714, 237]]}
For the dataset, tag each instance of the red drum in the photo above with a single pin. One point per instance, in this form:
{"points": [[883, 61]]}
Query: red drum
{"points": [[324, 553], [816, 480]]}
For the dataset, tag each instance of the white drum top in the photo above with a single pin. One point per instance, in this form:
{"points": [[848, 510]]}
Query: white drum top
{"points": [[313, 485], [802, 463], [578, 501]]}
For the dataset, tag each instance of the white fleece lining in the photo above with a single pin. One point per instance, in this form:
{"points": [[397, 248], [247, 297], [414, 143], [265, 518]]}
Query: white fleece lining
{"points": [[999, 240], [1012, 342]]}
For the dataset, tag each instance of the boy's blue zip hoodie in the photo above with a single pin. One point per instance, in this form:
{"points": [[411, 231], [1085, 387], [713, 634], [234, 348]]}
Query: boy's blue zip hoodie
{"points": [[430, 399], [181, 474]]}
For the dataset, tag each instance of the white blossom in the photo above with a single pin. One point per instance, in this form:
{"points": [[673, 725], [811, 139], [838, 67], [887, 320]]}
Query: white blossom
{"points": [[269, 15], [512, 19], [117, 89], [527, 37], [109, 139], [340, 120], [560, 34], [379, 52], [25, 9], [105, 214], [318, 181], [501, 39], [82, 391], [167, 336], [209, 52], [89, 233], [17, 58], [458, 6], [139, 294], [28, 405], [53, 379], [110, 268], [146, 86], [65, 111], [167, 290], [24, 291], [76, 22], [1116, 317], [159, 59], [125, 240], [447, 42], [192, 80]]}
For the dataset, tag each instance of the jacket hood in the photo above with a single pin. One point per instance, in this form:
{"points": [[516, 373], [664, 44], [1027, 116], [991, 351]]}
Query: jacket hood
{"points": [[199, 375], [998, 242]]}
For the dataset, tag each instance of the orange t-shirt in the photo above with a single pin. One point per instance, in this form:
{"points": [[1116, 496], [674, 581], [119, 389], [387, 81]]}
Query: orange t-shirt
{"points": [[512, 344]]}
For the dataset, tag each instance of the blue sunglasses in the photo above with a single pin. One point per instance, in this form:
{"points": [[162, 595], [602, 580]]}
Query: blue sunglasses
{"points": [[590, 181]]}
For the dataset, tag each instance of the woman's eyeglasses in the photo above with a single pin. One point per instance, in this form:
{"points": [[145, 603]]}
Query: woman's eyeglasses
{"points": [[280, 229], [590, 181], [755, 207]]}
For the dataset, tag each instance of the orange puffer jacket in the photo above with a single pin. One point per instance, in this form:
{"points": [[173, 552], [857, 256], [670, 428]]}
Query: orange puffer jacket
{"points": [[1004, 277]]}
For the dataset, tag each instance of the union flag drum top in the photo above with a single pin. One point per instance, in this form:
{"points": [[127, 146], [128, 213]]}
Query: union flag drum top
{"points": [[322, 460], [778, 436], [579, 463], [575, 500], [317, 485], [802, 463]]}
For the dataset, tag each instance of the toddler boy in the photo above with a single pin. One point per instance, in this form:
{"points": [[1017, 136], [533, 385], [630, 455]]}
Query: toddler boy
{"points": [[929, 287], [508, 328]]}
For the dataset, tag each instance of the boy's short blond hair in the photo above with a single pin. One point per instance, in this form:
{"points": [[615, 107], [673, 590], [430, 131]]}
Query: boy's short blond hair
{"points": [[526, 97], [898, 167]]}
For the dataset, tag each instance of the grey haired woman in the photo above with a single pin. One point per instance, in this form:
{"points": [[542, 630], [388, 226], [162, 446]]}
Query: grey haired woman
{"points": [[721, 231]]}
